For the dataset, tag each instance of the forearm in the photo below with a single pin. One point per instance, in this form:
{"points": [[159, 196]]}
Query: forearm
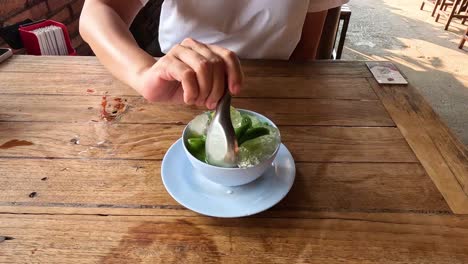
{"points": [[104, 26], [191, 72]]}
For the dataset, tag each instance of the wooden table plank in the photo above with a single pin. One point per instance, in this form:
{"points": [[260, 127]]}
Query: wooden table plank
{"points": [[66, 65], [307, 87], [91, 66], [130, 185], [54, 83], [372, 187], [341, 69], [120, 141], [281, 111], [443, 156], [324, 238]]}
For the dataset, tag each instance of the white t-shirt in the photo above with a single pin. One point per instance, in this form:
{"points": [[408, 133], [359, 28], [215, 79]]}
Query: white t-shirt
{"points": [[266, 29]]}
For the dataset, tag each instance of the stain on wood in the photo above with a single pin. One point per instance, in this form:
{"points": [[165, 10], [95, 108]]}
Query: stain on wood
{"points": [[152, 241], [112, 109], [15, 143], [5, 238]]}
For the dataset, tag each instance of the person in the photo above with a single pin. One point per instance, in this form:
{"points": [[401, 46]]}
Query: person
{"points": [[202, 41]]}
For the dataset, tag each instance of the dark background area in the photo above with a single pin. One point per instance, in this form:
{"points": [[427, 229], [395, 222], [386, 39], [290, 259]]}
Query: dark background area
{"points": [[64, 11]]}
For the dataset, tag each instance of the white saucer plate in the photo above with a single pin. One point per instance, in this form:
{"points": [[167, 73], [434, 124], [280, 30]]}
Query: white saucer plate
{"points": [[192, 190]]}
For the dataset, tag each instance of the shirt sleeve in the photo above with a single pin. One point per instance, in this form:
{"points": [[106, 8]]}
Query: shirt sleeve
{"points": [[321, 5]]}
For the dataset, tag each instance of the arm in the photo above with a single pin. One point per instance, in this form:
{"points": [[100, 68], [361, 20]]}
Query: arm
{"points": [[104, 25], [191, 72]]}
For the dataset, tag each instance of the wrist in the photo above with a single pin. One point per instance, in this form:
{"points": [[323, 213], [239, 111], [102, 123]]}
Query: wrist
{"points": [[137, 74]]}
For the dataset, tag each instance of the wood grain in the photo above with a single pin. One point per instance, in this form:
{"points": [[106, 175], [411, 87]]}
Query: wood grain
{"points": [[268, 68], [323, 238], [319, 112], [439, 151], [103, 140], [373, 187], [50, 64], [308, 87], [304, 68], [130, 185], [281, 111], [54, 83]]}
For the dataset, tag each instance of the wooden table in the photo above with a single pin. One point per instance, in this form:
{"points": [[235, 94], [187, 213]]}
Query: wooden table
{"points": [[380, 178]]}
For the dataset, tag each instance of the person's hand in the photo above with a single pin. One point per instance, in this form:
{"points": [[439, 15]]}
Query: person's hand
{"points": [[194, 73]]}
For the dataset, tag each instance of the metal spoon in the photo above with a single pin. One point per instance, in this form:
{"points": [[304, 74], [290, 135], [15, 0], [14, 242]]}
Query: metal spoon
{"points": [[221, 143]]}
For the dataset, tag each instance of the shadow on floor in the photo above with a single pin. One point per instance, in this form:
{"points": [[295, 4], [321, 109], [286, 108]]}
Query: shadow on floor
{"points": [[425, 53]]}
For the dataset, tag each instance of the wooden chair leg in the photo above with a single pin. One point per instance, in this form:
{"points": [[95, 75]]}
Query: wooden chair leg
{"points": [[341, 43], [462, 43], [464, 37], [452, 13], [422, 5], [435, 7], [442, 4]]}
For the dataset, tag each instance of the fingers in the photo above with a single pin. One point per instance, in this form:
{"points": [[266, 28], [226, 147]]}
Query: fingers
{"points": [[232, 67], [202, 67], [180, 71], [218, 88], [202, 70], [212, 95]]}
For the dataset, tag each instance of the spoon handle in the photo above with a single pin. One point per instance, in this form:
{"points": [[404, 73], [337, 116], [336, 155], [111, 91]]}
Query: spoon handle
{"points": [[221, 143], [224, 105]]}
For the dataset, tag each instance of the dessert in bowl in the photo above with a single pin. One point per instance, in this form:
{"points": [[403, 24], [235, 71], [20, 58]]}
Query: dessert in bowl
{"points": [[258, 143]]}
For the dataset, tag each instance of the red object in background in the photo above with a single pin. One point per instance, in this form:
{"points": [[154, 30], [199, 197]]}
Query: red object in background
{"points": [[31, 43]]}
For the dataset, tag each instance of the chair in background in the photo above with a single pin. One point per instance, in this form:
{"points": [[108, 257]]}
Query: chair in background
{"points": [[458, 10], [327, 47], [434, 3], [345, 16], [463, 7]]}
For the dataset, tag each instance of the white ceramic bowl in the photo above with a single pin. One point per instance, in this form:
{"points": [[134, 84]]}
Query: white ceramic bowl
{"points": [[231, 176]]}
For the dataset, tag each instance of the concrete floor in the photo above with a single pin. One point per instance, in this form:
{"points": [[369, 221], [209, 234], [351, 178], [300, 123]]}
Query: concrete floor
{"points": [[398, 31]]}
